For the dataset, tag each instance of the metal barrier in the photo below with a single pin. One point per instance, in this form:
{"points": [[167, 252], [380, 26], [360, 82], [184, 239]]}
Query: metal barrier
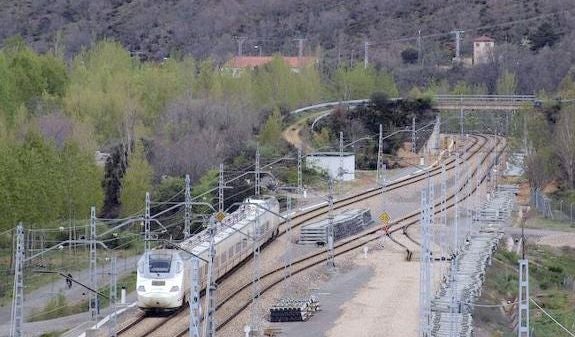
{"points": [[558, 210]]}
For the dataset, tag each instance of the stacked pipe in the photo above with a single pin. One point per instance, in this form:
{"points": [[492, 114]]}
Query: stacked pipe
{"points": [[293, 310], [345, 223], [452, 307]]}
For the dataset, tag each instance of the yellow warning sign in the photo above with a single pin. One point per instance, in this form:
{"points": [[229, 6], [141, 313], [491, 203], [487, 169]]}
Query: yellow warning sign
{"points": [[385, 218], [220, 216]]}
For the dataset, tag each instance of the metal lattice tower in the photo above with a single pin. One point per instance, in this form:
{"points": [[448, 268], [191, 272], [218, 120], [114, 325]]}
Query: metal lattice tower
{"points": [[257, 171], [113, 296], [365, 54], [256, 291], [458, 33], [209, 316], [330, 233], [380, 156], [455, 247], [461, 115], [288, 252], [93, 272], [413, 139], [221, 185], [194, 301], [188, 209], [147, 217], [299, 172], [523, 307], [340, 171], [18, 290], [425, 267]]}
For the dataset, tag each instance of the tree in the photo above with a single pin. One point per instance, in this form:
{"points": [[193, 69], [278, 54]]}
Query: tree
{"points": [[544, 35], [136, 182], [565, 143], [271, 132], [506, 83], [410, 56]]}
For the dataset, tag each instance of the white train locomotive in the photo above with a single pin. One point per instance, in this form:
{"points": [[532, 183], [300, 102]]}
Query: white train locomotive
{"points": [[163, 275]]}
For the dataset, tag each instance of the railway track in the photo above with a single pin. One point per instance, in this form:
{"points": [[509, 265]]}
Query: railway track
{"points": [[276, 276], [150, 326]]}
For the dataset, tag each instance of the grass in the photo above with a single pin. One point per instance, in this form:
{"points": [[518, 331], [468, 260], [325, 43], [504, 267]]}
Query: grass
{"points": [[60, 307], [551, 276], [56, 261], [539, 222]]}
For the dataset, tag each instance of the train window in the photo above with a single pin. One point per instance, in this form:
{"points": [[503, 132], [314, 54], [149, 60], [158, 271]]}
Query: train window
{"points": [[231, 252], [245, 243], [223, 258], [160, 263], [238, 247]]}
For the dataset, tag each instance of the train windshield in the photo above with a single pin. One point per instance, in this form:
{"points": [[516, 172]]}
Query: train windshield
{"points": [[160, 263]]}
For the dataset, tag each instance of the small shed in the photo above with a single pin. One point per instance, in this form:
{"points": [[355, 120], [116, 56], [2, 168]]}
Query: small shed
{"points": [[330, 163]]}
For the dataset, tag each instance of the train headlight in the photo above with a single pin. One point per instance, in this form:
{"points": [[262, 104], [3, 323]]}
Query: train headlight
{"points": [[141, 288], [174, 289]]}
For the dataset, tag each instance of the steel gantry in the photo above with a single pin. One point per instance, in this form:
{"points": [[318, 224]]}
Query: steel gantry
{"points": [[187, 209], [94, 305], [18, 291]]}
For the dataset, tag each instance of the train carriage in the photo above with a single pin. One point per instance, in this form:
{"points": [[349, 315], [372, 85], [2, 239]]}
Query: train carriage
{"points": [[161, 271]]}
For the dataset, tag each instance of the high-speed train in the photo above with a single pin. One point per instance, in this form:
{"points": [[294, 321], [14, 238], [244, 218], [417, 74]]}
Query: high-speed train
{"points": [[163, 279]]}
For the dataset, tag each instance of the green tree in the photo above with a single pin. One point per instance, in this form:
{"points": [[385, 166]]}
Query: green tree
{"points": [[137, 181], [506, 83], [271, 131]]}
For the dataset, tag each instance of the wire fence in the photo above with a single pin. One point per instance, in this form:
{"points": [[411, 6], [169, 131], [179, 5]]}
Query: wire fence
{"points": [[557, 210]]}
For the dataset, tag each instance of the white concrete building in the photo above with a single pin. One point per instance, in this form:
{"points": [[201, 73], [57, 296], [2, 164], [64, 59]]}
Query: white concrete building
{"points": [[483, 50], [329, 162]]}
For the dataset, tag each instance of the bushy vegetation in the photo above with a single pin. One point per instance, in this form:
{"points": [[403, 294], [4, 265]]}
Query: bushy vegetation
{"points": [[156, 120], [551, 279]]}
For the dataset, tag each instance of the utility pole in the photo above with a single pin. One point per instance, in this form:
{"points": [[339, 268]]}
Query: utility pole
{"points": [[330, 231], [340, 173], [443, 204], [221, 185], [523, 307], [300, 47], [194, 327], [257, 171], [209, 317], [419, 49], [438, 135], [16, 320], [379, 179], [255, 308], [93, 272], [457, 33], [241, 40], [425, 271], [113, 293], [413, 139], [456, 197], [288, 253], [147, 232], [365, 54], [188, 209], [299, 171], [461, 117]]}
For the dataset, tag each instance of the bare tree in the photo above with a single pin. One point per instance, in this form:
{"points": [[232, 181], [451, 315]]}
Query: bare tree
{"points": [[565, 143]]}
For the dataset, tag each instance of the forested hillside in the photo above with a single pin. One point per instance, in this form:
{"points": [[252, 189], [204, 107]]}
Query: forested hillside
{"points": [[144, 81]]}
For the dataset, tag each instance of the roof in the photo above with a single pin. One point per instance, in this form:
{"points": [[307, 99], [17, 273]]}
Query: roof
{"points": [[483, 38], [256, 61]]}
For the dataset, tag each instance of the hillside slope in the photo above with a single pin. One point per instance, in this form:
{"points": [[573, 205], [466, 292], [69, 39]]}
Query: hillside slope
{"points": [[203, 28]]}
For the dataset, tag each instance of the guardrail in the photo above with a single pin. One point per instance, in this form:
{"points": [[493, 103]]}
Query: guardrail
{"points": [[501, 99]]}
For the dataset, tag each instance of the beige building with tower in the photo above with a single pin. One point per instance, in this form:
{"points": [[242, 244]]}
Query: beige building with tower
{"points": [[483, 50]]}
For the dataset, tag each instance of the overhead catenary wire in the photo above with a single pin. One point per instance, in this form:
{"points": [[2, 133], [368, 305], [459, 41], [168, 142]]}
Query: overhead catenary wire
{"points": [[551, 317]]}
